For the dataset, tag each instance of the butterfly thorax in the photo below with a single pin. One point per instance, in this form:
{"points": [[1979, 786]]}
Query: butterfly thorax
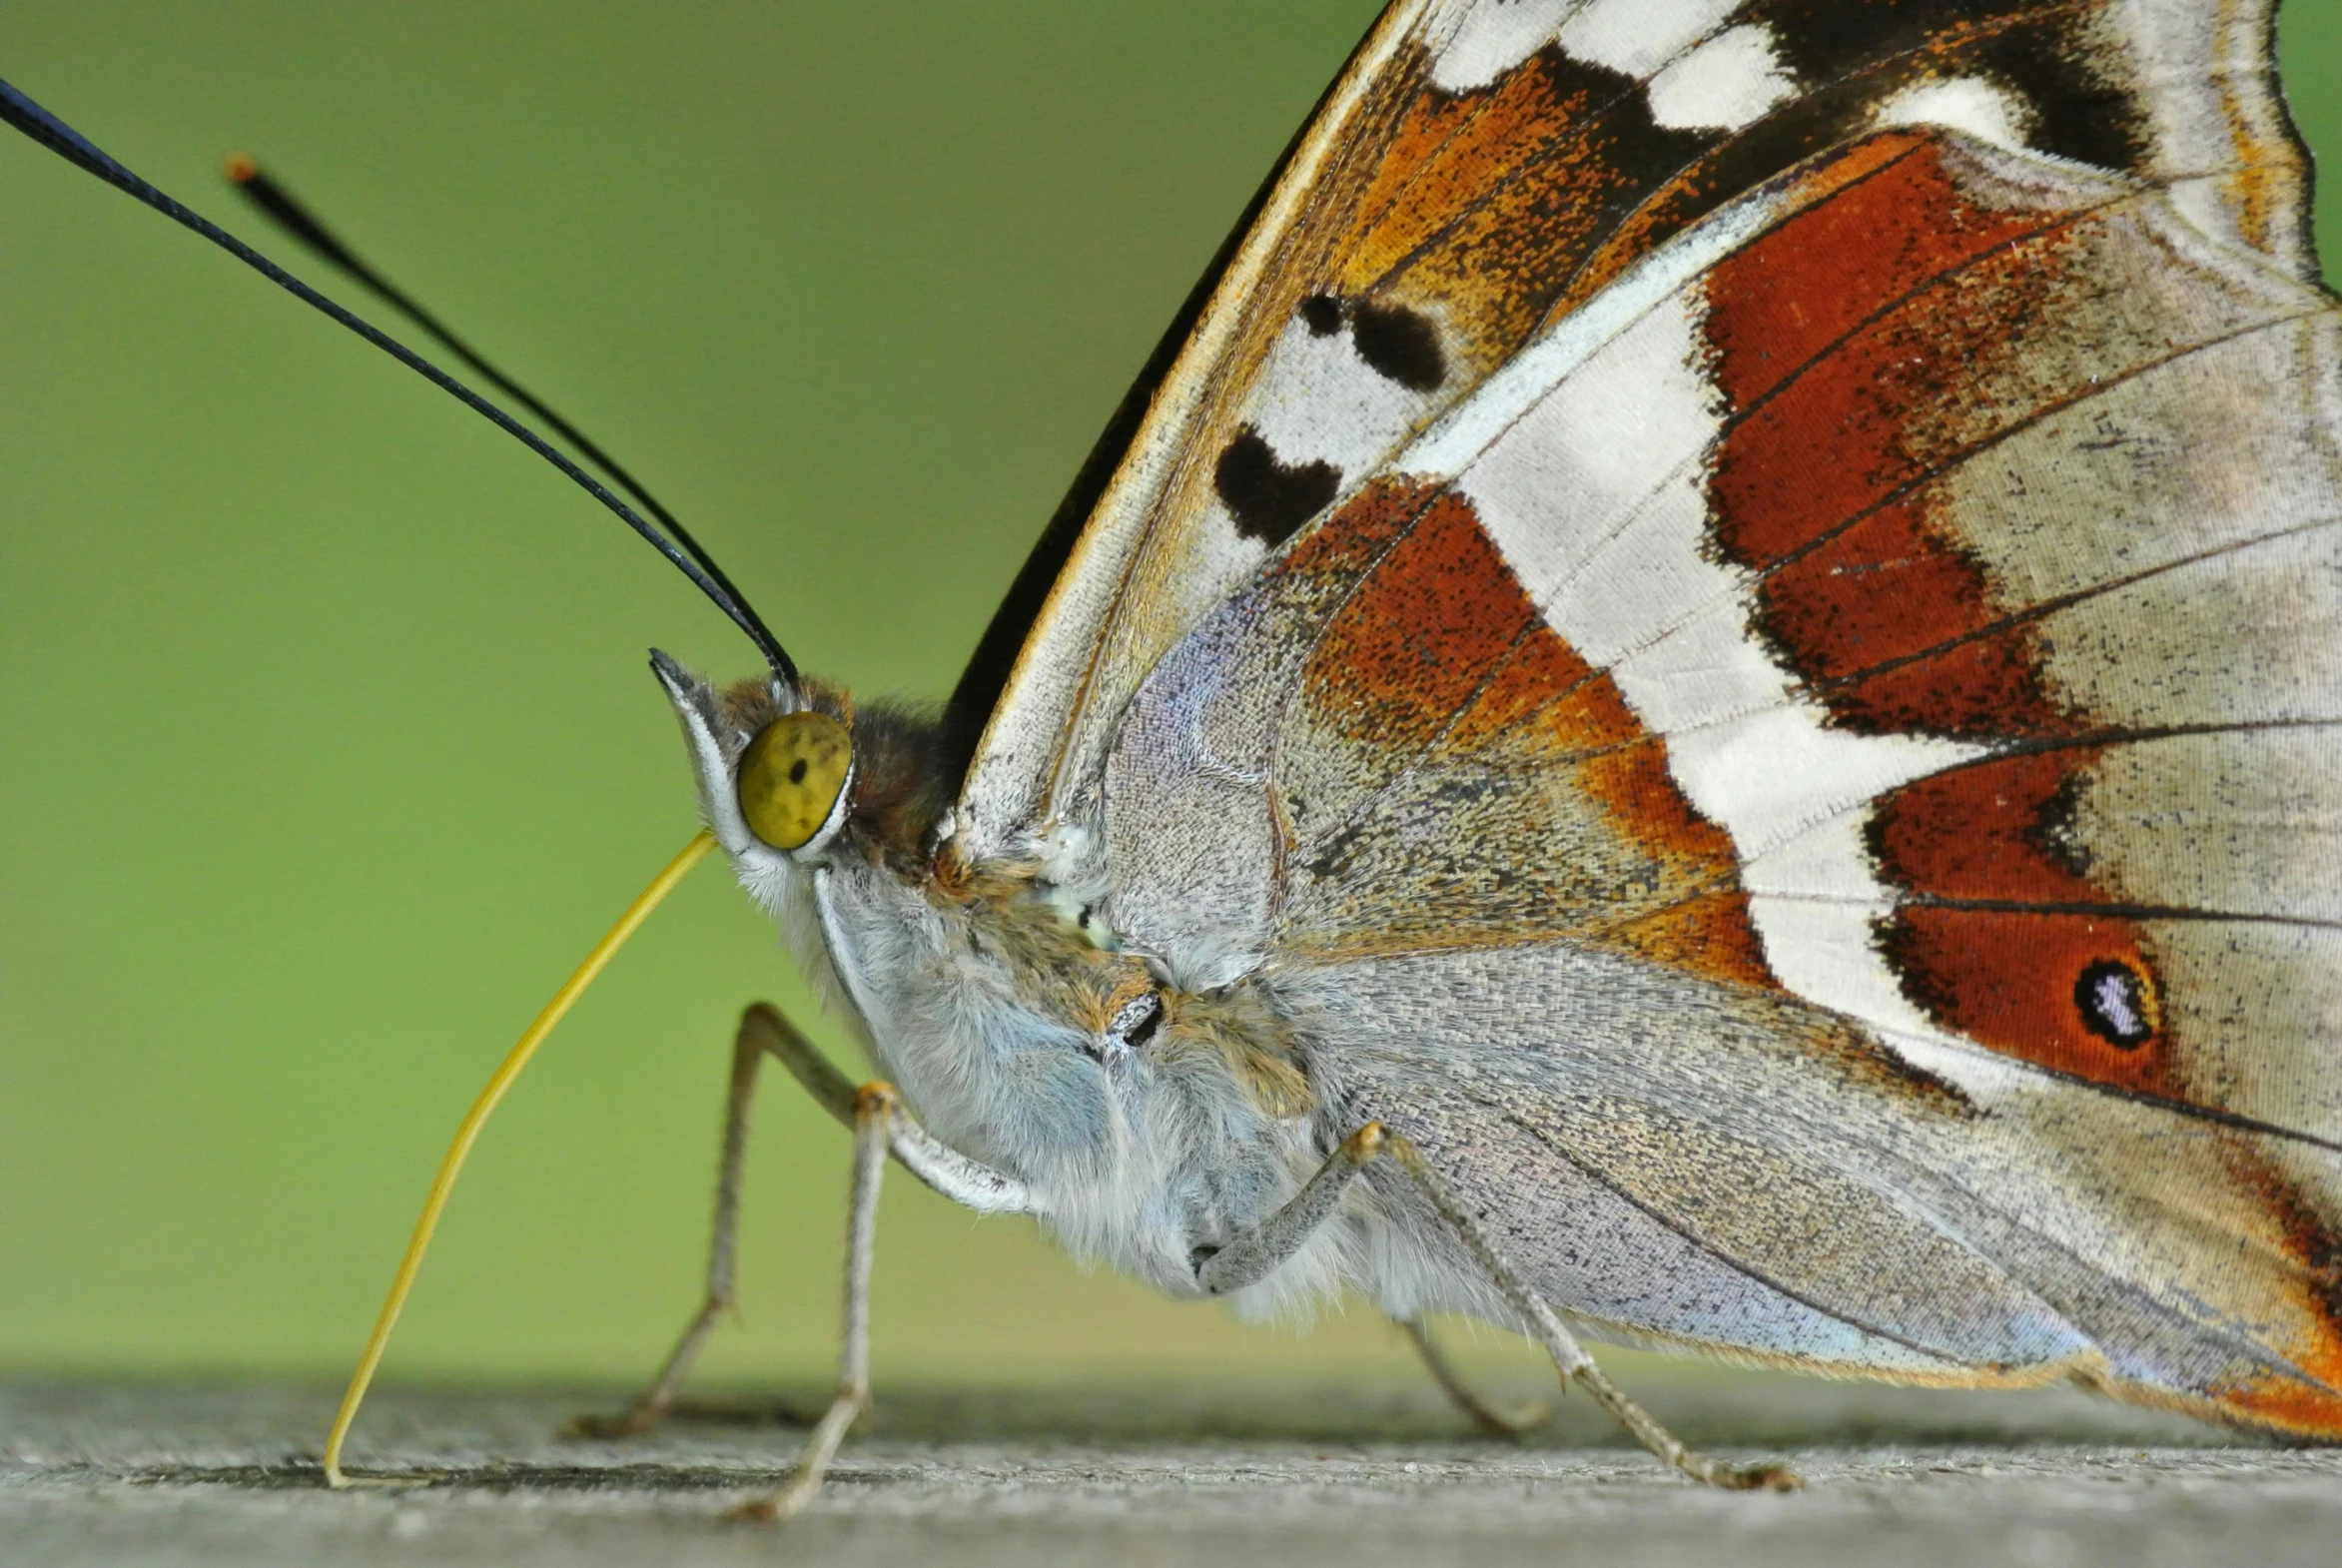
{"points": [[1150, 1121]]}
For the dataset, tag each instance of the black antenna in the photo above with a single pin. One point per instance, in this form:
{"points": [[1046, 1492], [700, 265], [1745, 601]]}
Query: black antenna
{"points": [[61, 139], [296, 218]]}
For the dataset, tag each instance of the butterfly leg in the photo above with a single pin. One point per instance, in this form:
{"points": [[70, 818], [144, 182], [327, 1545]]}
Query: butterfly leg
{"points": [[875, 1110], [763, 1032], [1569, 1357], [1486, 1416], [652, 1406], [1257, 1254]]}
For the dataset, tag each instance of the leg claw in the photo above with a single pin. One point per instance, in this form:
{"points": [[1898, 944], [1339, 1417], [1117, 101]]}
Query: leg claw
{"points": [[1759, 1478], [599, 1427]]}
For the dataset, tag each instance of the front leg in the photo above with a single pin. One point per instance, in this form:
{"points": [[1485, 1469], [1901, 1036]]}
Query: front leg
{"points": [[764, 1032], [875, 1107]]}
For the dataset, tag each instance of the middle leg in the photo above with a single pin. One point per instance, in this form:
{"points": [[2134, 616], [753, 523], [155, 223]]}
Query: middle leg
{"points": [[1254, 1255], [1495, 1422]]}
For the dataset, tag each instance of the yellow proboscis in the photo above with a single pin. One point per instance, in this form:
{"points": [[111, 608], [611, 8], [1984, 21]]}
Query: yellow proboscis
{"points": [[468, 1132]]}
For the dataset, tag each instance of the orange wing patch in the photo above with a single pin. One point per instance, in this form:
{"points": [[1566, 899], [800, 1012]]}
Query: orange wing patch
{"points": [[2308, 1243], [1452, 761], [1490, 203], [1546, 703]]}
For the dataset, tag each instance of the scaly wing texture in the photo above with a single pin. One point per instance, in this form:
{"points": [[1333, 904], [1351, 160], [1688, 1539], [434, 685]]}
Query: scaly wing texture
{"points": [[1484, 167], [1814, 788]]}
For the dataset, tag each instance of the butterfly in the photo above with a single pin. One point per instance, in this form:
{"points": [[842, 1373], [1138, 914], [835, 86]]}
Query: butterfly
{"points": [[1695, 703], [1700, 695]]}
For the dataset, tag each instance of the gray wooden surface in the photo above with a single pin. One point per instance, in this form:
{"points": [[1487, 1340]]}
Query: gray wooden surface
{"points": [[120, 1473]]}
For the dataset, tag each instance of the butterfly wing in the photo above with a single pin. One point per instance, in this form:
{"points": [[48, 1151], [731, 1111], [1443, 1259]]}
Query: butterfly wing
{"points": [[1808, 783], [1484, 167]]}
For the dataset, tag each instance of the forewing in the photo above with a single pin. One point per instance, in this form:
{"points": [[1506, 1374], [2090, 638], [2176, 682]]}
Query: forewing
{"points": [[1484, 168]]}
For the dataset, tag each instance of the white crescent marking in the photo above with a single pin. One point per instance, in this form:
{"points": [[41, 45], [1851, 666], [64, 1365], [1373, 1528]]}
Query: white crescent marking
{"points": [[1983, 110], [1474, 43]]}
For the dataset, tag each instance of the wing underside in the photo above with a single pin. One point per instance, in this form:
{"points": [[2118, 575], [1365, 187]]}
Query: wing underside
{"points": [[1484, 168], [1745, 617]]}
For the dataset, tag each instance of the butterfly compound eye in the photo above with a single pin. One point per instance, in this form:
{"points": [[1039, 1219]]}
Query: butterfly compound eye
{"points": [[791, 777]]}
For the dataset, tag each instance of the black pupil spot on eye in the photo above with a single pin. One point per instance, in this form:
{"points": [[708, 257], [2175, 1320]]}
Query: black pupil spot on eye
{"points": [[2116, 1004], [1269, 500], [797, 771]]}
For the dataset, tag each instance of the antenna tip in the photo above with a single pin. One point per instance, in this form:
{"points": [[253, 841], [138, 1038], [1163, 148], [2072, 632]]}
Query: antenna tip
{"points": [[239, 168]]}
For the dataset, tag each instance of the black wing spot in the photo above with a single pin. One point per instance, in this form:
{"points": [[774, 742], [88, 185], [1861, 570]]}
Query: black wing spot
{"points": [[2116, 1003], [1269, 500], [1400, 345], [1322, 312]]}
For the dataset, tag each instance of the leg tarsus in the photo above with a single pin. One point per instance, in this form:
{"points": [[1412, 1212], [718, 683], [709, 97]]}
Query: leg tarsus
{"points": [[1766, 1476], [652, 1405], [874, 1112], [1495, 1422], [812, 1466], [656, 1402]]}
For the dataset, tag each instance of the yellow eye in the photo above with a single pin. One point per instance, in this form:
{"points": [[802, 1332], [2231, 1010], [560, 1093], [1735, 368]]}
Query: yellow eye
{"points": [[790, 777]]}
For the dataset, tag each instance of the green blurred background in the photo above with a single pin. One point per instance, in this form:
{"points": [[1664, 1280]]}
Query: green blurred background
{"points": [[326, 742]]}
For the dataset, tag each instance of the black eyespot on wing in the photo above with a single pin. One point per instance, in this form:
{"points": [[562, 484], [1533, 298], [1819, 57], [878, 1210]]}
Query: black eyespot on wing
{"points": [[1322, 312], [1269, 500], [1400, 345], [797, 771], [2116, 1003]]}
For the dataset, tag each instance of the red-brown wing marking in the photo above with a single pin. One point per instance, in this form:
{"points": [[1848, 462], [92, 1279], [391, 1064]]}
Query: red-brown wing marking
{"points": [[1394, 752], [1419, 635], [1452, 773], [2000, 834], [1865, 379]]}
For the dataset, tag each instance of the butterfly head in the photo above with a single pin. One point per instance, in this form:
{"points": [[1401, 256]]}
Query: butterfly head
{"points": [[791, 775]]}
